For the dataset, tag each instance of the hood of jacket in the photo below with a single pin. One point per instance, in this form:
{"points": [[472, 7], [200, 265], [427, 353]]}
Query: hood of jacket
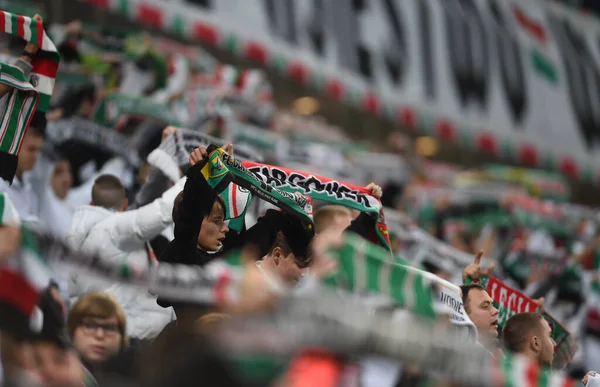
{"points": [[84, 219]]}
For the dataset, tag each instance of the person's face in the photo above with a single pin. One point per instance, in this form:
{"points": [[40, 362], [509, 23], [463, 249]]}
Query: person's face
{"points": [[97, 339], [547, 344], [30, 150], [286, 266], [482, 313], [62, 179], [57, 367], [212, 232]]}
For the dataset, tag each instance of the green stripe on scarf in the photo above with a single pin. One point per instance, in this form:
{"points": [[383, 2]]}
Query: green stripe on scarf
{"points": [[363, 266], [21, 103]]}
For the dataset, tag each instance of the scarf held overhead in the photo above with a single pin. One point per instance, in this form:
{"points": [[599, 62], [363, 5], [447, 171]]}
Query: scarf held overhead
{"points": [[323, 188], [222, 170], [45, 64]]}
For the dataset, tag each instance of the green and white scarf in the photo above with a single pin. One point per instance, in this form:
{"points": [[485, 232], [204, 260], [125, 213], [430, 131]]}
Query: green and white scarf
{"points": [[329, 190], [221, 170], [112, 108], [45, 63], [22, 102]]}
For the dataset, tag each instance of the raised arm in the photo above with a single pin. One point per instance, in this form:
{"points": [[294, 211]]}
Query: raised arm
{"points": [[194, 206], [24, 62]]}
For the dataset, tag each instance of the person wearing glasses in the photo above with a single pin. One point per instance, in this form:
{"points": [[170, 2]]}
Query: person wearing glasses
{"points": [[97, 324]]}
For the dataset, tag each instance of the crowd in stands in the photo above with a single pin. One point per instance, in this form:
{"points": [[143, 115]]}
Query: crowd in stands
{"points": [[162, 223]]}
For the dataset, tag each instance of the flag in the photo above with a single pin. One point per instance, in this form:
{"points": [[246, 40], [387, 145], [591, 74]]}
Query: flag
{"points": [[45, 64]]}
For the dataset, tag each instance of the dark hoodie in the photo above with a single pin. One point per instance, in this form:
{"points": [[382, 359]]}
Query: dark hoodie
{"points": [[197, 202]]}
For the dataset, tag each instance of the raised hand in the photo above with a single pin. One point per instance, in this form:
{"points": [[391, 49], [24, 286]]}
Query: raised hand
{"points": [[31, 48], [473, 271], [228, 149], [540, 303], [167, 132], [589, 376], [375, 190], [198, 155]]}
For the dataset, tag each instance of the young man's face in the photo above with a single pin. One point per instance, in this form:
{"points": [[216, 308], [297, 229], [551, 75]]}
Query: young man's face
{"points": [[30, 150], [483, 314], [213, 230], [286, 266], [546, 354], [97, 339]]}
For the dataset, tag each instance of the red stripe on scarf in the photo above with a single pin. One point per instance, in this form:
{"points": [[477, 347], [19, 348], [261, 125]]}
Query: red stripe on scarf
{"points": [[48, 68], [3, 21], [221, 288], [533, 374], [17, 291], [40, 35], [21, 26], [234, 200], [314, 369]]}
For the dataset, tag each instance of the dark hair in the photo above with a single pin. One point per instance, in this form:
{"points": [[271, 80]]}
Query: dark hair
{"points": [[38, 123], [179, 199], [282, 243], [519, 328], [108, 192], [302, 257], [176, 203], [465, 289]]}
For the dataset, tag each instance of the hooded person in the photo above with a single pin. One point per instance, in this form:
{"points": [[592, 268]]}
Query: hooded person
{"points": [[103, 228], [202, 235]]}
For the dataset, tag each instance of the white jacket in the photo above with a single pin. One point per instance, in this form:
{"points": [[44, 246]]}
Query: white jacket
{"points": [[124, 236]]}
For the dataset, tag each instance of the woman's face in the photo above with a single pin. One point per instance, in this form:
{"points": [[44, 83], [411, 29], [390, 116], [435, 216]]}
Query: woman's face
{"points": [[212, 232], [97, 339]]}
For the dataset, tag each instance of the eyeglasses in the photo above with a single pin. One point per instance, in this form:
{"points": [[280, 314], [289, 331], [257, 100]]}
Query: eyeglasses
{"points": [[218, 222], [90, 328]]}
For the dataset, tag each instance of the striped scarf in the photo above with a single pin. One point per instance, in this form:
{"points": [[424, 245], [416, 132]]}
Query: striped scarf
{"points": [[329, 190], [224, 174], [45, 64], [174, 151], [16, 113]]}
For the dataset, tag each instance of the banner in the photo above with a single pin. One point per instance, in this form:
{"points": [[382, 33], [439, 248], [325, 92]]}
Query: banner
{"points": [[516, 78]]}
